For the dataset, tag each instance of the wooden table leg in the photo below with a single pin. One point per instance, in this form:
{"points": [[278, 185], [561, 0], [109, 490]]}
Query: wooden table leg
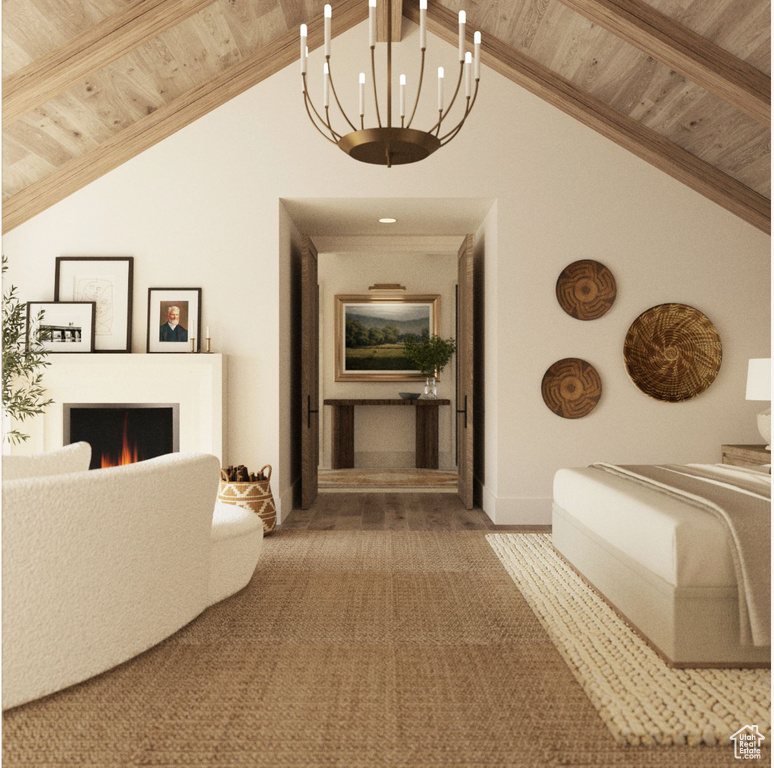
{"points": [[343, 437], [427, 437]]}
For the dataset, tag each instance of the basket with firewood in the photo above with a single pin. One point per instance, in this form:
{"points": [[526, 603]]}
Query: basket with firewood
{"points": [[250, 490]]}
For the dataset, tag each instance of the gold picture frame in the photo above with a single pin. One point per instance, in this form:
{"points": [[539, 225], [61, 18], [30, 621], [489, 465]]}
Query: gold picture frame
{"points": [[370, 332]]}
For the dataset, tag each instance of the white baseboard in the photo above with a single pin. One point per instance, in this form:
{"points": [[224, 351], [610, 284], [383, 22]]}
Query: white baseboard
{"points": [[516, 511]]}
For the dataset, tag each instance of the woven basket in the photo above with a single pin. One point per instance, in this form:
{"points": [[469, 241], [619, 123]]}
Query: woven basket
{"points": [[672, 352], [255, 496]]}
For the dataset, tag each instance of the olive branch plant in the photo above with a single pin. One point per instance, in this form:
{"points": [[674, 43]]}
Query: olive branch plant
{"points": [[23, 364], [430, 355]]}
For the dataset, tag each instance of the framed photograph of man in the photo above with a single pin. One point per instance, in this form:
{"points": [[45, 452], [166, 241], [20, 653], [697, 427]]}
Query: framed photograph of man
{"points": [[371, 331], [66, 326], [107, 281], [174, 319]]}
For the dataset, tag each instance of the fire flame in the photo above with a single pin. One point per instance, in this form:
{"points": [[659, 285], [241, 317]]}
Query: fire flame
{"points": [[129, 454]]}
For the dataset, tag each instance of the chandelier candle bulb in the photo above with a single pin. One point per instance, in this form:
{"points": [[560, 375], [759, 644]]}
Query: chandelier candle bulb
{"points": [[303, 49], [477, 57], [327, 17], [422, 24], [440, 89], [463, 19], [468, 60], [372, 23]]}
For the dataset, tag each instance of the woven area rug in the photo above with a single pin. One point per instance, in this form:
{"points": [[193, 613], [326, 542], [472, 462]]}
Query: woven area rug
{"points": [[348, 649], [639, 697]]}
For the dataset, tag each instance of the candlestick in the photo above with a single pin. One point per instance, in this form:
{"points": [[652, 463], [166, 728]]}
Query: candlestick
{"points": [[477, 57], [326, 94], [468, 60], [193, 344], [463, 19], [303, 48], [422, 24], [440, 89], [403, 95], [327, 12], [372, 23], [362, 94], [208, 349]]}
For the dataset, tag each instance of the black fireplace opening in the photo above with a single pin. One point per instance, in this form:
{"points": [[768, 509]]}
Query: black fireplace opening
{"points": [[123, 433]]}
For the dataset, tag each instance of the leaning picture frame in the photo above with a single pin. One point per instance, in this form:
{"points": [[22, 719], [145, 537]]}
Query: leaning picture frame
{"points": [[370, 331], [107, 281], [61, 327], [174, 319]]}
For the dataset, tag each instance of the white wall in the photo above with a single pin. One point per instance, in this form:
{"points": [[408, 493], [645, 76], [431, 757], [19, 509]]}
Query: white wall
{"points": [[201, 208], [385, 436]]}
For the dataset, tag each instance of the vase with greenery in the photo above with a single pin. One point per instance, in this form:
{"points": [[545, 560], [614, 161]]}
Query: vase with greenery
{"points": [[23, 364], [430, 355]]}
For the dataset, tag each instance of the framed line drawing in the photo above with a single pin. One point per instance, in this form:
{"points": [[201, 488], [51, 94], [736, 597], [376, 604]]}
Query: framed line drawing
{"points": [[370, 331], [174, 319], [66, 326], [106, 281]]}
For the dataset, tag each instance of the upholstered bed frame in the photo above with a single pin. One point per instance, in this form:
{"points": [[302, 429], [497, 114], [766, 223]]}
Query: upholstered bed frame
{"points": [[688, 626]]}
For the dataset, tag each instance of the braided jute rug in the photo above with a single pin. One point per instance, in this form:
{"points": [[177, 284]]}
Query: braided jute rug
{"points": [[348, 649], [639, 697]]}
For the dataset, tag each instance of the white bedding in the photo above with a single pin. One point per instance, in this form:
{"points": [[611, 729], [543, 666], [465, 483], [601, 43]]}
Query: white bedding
{"points": [[659, 532]]}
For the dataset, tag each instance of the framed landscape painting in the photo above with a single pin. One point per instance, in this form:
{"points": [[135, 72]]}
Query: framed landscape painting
{"points": [[370, 332]]}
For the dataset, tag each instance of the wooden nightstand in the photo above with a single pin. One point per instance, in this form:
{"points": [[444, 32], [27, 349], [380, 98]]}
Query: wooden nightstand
{"points": [[746, 455]]}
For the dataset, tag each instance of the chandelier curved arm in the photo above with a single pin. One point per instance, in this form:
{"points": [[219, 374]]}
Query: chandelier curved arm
{"points": [[442, 117], [335, 96], [308, 103], [419, 89], [373, 79], [446, 138]]}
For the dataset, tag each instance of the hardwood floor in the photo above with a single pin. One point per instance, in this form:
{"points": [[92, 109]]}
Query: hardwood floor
{"points": [[394, 512]]}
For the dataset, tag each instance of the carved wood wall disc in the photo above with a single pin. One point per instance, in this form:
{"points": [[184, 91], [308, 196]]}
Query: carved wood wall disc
{"points": [[586, 289], [571, 388], [672, 352]]}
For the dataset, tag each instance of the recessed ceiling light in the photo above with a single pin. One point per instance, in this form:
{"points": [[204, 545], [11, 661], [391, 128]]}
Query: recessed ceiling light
{"points": [[387, 220]]}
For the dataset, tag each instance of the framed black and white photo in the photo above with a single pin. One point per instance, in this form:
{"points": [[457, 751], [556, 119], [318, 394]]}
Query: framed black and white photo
{"points": [[107, 281], [66, 326], [174, 319]]}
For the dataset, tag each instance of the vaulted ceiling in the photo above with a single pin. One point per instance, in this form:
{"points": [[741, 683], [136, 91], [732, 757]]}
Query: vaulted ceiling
{"points": [[683, 84]]}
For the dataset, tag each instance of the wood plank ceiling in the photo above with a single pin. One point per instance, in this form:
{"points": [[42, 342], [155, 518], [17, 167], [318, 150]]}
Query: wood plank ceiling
{"points": [[683, 84]]}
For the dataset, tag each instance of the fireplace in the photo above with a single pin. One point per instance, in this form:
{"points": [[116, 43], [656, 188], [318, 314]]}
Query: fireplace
{"points": [[123, 433]]}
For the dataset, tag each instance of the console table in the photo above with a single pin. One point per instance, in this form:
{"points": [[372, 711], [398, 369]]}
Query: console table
{"points": [[343, 432]]}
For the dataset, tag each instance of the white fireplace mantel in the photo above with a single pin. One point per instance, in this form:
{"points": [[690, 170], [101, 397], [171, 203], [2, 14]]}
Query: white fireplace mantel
{"points": [[196, 381]]}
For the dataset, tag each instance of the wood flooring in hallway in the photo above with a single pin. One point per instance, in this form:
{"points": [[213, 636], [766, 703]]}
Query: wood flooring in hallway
{"points": [[394, 512]]}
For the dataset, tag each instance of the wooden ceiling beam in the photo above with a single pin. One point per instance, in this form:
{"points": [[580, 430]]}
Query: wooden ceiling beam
{"points": [[192, 105], [91, 51], [382, 12], [614, 125], [697, 59]]}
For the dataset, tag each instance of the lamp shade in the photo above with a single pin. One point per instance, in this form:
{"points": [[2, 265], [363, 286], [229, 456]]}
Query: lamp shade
{"points": [[759, 379]]}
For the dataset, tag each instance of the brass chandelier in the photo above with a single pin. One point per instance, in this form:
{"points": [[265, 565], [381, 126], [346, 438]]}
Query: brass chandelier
{"points": [[388, 144]]}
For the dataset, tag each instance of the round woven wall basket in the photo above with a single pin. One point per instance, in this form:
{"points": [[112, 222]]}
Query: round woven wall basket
{"points": [[571, 388], [586, 289], [672, 352]]}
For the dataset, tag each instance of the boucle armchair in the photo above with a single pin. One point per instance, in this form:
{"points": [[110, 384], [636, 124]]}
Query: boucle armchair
{"points": [[98, 566]]}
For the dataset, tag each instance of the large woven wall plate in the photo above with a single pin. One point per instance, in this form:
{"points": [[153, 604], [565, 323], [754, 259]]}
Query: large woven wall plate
{"points": [[571, 388], [586, 289], [672, 352]]}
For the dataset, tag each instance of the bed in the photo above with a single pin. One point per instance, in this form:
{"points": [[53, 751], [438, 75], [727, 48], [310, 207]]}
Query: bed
{"points": [[656, 542]]}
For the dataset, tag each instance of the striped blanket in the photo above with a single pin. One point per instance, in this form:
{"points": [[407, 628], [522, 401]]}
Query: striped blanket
{"points": [[741, 499]]}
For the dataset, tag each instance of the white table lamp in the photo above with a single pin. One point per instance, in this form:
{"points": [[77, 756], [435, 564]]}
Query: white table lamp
{"points": [[759, 388]]}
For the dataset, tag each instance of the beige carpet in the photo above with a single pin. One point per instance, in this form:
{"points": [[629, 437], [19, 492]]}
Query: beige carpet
{"points": [[349, 649], [392, 480], [639, 697]]}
